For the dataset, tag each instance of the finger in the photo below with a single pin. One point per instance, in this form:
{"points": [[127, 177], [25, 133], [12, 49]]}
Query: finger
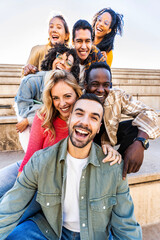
{"points": [[115, 161], [120, 159], [104, 149], [108, 157], [125, 169]]}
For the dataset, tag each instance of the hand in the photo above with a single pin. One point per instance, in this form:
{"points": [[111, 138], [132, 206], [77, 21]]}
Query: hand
{"points": [[133, 158], [19, 173], [104, 55], [112, 155], [29, 68], [21, 126]]}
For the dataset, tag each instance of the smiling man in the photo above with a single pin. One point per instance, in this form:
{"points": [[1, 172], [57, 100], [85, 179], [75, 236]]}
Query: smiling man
{"points": [[86, 51], [80, 196], [132, 135]]}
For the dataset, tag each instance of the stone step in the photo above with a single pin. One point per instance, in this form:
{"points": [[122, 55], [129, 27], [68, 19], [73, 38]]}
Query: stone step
{"points": [[141, 89]]}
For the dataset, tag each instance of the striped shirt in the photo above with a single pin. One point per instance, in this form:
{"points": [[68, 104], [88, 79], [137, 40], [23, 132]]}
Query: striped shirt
{"points": [[119, 102]]}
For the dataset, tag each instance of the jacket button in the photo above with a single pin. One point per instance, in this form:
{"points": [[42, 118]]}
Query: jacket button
{"points": [[47, 203]]}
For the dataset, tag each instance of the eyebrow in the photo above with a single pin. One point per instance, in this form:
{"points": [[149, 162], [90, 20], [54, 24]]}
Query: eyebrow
{"points": [[81, 110]]}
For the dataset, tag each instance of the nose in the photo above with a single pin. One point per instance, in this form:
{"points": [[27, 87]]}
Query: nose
{"points": [[83, 45], [62, 102], [62, 61], [54, 29], [100, 89], [85, 120]]}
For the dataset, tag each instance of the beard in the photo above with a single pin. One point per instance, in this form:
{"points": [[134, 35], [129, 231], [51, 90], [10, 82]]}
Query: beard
{"points": [[77, 143]]}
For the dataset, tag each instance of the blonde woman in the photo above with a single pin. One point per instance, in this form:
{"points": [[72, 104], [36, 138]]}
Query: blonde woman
{"points": [[50, 123]]}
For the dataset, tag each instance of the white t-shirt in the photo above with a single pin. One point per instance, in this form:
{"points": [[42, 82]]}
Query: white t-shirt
{"points": [[71, 199]]}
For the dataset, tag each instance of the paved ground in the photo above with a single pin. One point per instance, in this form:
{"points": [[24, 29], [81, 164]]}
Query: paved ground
{"points": [[151, 164]]}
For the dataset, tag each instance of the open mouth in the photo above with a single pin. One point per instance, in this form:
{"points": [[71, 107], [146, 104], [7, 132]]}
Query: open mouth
{"points": [[81, 133], [99, 29], [59, 67], [66, 109], [55, 38]]}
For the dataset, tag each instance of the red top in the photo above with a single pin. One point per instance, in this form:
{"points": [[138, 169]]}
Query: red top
{"points": [[39, 139]]}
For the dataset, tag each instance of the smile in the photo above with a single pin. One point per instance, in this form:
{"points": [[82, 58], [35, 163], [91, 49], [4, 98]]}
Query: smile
{"points": [[65, 109], [99, 29], [59, 67]]}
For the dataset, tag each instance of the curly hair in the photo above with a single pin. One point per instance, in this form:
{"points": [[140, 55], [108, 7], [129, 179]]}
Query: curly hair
{"points": [[46, 64], [107, 43], [48, 112]]}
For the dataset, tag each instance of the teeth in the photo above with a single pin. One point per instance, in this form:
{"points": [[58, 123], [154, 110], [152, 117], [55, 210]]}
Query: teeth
{"points": [[99, 29], [100, 96], [81, 131], [65, 109]]}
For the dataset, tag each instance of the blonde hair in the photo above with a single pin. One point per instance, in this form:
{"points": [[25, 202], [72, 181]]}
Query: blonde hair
{"points": [[48, 112]]}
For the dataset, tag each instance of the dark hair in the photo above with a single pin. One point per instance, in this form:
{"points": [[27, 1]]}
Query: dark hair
{"points": [[46, 64], [90, 96], [95, 66], [117, 23], [65, 26], [81, 24]]}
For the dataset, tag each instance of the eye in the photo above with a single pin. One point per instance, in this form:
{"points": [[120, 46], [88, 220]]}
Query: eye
{"points": [[59, 56], [68, 96], [54, 98], [94, 118], [69, 63], [79, 114], [99, 19], [94, 84], [106, 23], [106, 85]]}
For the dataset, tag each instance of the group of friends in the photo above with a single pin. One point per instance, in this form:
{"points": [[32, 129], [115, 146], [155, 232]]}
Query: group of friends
{"points": [[75, 186]]}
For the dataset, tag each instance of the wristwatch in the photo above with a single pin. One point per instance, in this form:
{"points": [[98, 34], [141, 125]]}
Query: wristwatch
{"points": [[145, 142]]}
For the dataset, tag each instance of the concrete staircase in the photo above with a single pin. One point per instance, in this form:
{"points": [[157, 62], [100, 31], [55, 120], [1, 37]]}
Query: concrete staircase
{"points": [[10, 78], [144, 85]]}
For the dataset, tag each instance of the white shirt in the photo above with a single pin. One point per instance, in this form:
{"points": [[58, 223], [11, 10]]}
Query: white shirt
{"points": [[71, 199]]}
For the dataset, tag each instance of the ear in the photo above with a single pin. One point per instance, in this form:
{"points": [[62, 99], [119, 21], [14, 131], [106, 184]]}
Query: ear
{"points": [[109, 30], [99, 128], [67, 36]]}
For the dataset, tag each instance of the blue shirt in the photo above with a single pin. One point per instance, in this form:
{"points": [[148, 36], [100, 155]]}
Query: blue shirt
{"points": [[29, 96]]}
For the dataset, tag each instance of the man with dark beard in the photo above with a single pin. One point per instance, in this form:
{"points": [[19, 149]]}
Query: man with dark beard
{"points": [[80, 197]]}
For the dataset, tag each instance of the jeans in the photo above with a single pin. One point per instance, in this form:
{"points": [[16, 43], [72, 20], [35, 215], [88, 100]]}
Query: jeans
{"points": [[8, 177], [28, 230]]}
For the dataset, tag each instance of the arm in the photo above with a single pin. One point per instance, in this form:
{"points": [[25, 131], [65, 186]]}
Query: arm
{"points": [[123, 222], [108, 57], [14, 202], [134, 154], [145, 118], [36, 141], [29, 89], [22, 125], [32, 62]]}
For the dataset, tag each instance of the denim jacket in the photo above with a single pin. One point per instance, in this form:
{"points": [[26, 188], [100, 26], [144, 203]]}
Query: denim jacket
{"points": [[104, 198], [29, 96]]}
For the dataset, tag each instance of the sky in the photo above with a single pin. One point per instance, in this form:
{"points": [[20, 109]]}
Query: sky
{"points": [[24, 24]]}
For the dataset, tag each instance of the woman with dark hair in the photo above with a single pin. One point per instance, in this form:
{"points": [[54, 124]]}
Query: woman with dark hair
{"points": [[106, 24], [50, 61], [58, 32]]}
